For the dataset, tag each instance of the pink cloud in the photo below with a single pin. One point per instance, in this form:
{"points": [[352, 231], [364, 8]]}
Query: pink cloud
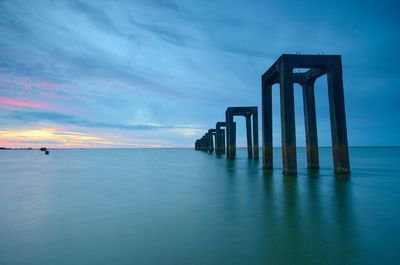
{"points": [[11, 103], [30, 82]]}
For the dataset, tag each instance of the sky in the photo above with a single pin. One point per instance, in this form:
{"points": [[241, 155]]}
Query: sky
{"points": [[159, 73]]}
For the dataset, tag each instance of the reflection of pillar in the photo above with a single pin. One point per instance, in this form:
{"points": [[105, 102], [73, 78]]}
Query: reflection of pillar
{"points": [[310, 124], [248, 134], [255, 134], [338, 120], [222, 141], [288, 123], [267, 125]]}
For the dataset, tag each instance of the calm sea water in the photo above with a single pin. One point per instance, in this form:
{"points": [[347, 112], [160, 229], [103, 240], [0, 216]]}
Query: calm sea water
{"points": [[180, 206]]}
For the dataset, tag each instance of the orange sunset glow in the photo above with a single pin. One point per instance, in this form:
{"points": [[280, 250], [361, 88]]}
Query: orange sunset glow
{"points": [[38, 137]]}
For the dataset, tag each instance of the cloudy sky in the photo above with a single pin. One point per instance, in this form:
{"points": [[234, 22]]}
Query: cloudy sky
{"points": [[158, 73]]}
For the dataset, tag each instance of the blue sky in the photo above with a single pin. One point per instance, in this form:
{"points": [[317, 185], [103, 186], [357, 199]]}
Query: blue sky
{"points": [[157, 73]]}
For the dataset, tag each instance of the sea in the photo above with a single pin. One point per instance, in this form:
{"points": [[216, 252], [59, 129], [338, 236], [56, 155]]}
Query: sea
{"points": [[181, 206]]}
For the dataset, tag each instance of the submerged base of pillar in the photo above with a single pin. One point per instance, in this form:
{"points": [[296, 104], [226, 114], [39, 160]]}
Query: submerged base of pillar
{"points": [[288, 172], [342, 171]]}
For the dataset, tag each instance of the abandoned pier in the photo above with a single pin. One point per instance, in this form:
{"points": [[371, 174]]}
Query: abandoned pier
{"points": [[282, 73]]}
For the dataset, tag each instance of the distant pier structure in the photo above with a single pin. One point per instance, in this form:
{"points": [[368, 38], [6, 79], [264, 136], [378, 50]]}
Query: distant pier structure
{"points": [[249, 113], [211, 133], [220, 138], [281, 72], [206, 143]]}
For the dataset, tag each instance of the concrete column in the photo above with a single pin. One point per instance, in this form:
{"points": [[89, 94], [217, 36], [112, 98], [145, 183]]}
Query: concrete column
{"points": [[288, 122], [338, 121], [217, 140], [267, 125], [222, 141], [233, 140], [228, 121], [310, 125], [206, 142], [211, 143], [248, 134], [230, 136], [255, 134]]}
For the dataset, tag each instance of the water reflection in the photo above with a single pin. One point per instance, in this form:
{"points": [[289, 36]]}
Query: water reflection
{"points": [[308, 220]]}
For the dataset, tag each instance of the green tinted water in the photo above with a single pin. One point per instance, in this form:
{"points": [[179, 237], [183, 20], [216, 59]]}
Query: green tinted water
{"points": [[180, 206]]}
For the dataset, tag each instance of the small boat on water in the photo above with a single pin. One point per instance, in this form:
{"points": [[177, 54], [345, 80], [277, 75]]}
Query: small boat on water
{"points": [[47, 152]]}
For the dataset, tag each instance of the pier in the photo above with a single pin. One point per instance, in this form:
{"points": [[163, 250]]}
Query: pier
{"points": [[282, 72], [248, 113]]}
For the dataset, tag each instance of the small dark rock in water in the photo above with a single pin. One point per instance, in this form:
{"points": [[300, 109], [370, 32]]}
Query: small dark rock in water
{"points": [[47, 152], [43, 148]]}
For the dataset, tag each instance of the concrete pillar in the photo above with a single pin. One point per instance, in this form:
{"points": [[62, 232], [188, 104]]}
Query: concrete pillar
{"points": [[310, 125], [267, 125], [211, 143], [248, 134], [288, 125], [217, 140], [222, 141], [338, 121], [229, 139], [255, 134], [233, 140], [206, 142]]}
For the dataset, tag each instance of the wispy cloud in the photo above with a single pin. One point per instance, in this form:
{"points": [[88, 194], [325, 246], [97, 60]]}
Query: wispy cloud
{"points": [[11, 103], [59, 118]]}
